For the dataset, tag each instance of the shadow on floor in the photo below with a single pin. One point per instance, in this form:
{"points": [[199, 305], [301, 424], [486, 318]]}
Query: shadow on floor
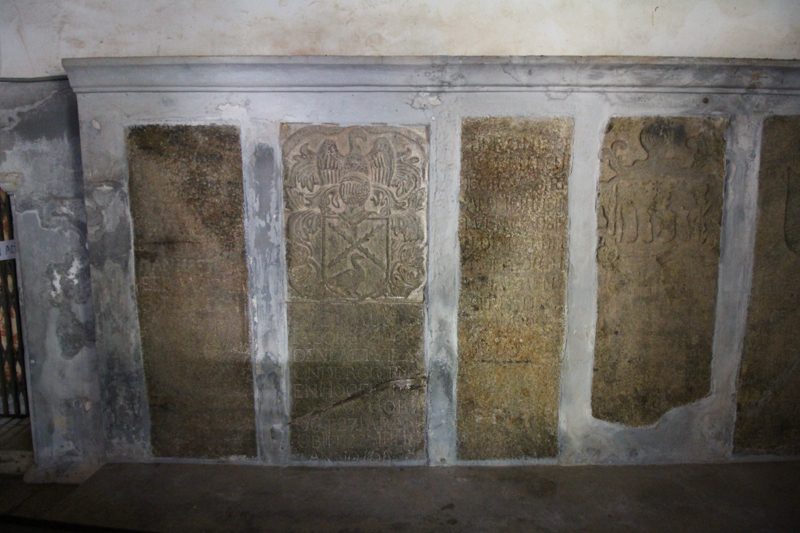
{"points": [[190, 497], [14, 524], [15, 434], [16, 445]]}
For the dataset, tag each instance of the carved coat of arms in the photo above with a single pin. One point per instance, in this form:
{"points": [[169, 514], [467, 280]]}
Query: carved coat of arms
{"points": [[355, 203]]}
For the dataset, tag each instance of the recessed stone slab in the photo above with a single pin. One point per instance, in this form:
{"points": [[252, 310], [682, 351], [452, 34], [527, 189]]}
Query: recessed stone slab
{"points": [[513, 238], [186, 199], [355, 201], [358, 381], [659, 214], [768, 406]]}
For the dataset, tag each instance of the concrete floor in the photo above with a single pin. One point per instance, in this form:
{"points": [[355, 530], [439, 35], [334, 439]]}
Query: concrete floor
{"points": [[15, 434], [751, 497], [16, 445]]}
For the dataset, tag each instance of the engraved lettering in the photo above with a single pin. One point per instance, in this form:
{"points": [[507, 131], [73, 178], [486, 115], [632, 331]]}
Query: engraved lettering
{"points": [[513, 236], [186, 198]]}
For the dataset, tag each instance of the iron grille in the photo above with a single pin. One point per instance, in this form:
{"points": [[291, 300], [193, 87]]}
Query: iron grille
{"points": [[12, 374]]}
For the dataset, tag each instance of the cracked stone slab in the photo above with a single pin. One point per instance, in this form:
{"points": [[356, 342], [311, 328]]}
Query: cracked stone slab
{"points": [[659, 218], [355, 201], [768, 403], [358, 381], [513, 241], [186, 197]]}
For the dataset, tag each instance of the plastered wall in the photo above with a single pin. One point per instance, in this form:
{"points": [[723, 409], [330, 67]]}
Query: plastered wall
{"points": [[39, 147], [258, 95], [36, 34]]}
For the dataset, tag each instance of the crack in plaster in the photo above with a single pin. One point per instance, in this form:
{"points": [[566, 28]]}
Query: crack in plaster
{"points": [[9, 118]]}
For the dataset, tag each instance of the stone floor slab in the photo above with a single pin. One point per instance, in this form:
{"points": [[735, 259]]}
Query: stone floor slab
{"points": [[742, 497]]}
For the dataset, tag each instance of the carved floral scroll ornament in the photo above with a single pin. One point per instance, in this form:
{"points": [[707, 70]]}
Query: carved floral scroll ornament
{"points": [[355, 200]]}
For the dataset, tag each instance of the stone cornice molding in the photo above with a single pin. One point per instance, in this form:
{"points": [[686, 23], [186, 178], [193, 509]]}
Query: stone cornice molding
{"points": [[435, 74]]}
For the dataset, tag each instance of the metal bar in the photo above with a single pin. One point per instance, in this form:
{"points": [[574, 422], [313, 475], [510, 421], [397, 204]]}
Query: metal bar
{"points": [[18, 350], [9, 370], [4, 344], [16, 338], [8, 363], [12, 373]]}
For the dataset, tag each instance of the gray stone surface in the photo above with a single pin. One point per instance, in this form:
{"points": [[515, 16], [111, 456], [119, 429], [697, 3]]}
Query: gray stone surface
{"points": [[186, 195], [513, 237], [126, 424], [768, 401], [358, 381], [31, 500], [39, 144], [722, 498], [659, 216], [355, 203], [258, 94], [464, 73]]}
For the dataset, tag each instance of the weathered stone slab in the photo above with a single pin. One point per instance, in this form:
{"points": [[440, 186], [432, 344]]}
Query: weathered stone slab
{"points": [[768, 410], [186, 197], [355, 203], [659, 216], [513, 237], [358, 381]]}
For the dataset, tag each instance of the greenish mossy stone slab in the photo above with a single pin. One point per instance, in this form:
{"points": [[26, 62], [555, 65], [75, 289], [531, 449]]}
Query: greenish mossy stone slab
{"points": [[768, 407], [186, 198], [513, 238]]}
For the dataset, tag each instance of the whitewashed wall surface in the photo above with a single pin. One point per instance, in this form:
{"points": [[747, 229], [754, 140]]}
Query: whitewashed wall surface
{"points": [[36, 34]]}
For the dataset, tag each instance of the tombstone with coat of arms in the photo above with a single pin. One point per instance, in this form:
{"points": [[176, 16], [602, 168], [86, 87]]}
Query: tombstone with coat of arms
{"points": [[355, 201]]}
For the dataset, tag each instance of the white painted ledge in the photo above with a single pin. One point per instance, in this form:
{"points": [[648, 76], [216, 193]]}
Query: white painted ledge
{"points": [[452, 74]]}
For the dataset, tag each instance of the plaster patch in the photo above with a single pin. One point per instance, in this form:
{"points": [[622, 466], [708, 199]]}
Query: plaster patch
{"points": [[56, 292], [425, 100]]}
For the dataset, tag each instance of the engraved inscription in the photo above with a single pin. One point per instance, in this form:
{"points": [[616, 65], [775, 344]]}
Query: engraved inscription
{"points": [[513, 238], [358, 381], [355, 203], [186, 198], [768, 402], [659, 216]]}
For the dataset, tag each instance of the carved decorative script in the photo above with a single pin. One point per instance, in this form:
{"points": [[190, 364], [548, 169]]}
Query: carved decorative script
{"points": [[659, 215], [355, 225]]}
